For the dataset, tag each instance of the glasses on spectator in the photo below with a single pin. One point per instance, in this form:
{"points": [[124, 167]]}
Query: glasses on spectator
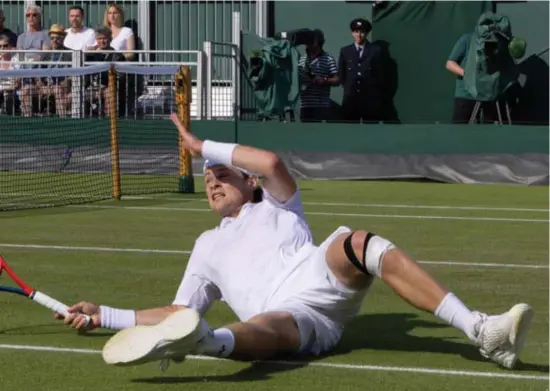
{"points": [[31, 15], [4, 46], [56, 37]]}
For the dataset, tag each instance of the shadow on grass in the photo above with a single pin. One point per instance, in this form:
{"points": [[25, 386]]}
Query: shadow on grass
{"points": [[372, 332], [51, 329]]}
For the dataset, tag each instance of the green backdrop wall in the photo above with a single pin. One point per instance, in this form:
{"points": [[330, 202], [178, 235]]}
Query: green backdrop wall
{"points": [[420, 36]]}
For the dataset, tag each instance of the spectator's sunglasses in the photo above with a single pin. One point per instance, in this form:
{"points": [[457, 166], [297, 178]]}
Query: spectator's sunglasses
{"points": [[31, 15], [56, 37], [4, 45]]}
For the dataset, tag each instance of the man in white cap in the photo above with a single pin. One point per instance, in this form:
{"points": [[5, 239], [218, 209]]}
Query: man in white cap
{"points": [[290, 296]]}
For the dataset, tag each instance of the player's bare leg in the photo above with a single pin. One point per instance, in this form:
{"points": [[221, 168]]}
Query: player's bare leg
{"points": [[358, 257], [262, 337], [184, 332]]}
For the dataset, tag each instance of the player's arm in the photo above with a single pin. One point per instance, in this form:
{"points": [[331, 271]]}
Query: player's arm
{"points": [[195, 291], [115, 318], [276, 178]]}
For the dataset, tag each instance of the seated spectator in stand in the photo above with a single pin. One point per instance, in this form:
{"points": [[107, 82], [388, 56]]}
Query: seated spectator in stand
{"points": [[48, 90], [79, 37], [36, 37], [7, 85], [122, 37], [12, 37], [99, 85], [318, 73], [58, 88]]}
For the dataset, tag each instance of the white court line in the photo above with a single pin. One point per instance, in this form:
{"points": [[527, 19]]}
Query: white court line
{"points": [[312, 203], [367, 205], [100, 249], [388, 216], [382, 368], [187, 252]]}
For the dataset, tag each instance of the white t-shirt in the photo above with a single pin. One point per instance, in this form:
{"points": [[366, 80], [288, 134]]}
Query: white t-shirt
{"points": [[120, 42], [80, 40], [245, 259]]}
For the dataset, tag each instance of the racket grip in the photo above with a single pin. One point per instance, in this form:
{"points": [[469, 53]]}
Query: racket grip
{"points": [[56, 306]]}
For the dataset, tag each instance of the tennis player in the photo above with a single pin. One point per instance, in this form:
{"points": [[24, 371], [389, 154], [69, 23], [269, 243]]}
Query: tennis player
{"points": [[291, 296]]}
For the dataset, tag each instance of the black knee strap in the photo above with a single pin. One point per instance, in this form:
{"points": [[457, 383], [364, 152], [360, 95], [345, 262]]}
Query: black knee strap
{"points": [[348, 249]]}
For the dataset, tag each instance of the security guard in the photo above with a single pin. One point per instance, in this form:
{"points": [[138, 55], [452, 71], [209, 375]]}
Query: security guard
{"points": [[361, 72]]}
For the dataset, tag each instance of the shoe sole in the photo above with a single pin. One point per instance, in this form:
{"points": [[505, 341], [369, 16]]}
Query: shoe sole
{"points": [[523, 314], [141, 344]]}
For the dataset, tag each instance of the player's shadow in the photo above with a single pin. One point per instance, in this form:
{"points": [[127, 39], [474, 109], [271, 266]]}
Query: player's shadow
{"points": [[376, 332], [256, 371], [392, 332], [52, 328]]}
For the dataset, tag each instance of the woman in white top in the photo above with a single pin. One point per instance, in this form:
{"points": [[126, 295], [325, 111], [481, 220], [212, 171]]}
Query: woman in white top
{"points": [[123, 37]]}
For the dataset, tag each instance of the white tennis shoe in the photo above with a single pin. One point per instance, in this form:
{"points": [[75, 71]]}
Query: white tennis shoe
{"points": [[502, 337], [172, 339]]}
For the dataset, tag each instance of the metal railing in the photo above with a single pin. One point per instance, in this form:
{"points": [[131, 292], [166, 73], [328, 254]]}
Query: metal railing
{"points": [[150, 88], [222, 63], [215, 73]]}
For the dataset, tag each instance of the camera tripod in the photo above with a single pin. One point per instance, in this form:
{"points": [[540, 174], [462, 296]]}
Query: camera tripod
{"points": [[477, 107]]}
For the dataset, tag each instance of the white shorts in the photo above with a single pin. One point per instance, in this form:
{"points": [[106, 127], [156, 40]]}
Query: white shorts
{"points": [[320, 304]]}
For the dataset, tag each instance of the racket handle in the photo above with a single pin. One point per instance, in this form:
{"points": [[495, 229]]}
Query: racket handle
{"points": [[57, 306]]}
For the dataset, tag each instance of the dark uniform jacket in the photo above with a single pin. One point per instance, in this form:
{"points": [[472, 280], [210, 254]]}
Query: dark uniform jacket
{"points": [[363, 81]]}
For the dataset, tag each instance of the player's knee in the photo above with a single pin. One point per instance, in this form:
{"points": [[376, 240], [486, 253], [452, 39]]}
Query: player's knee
{"points": [[370, 248]]}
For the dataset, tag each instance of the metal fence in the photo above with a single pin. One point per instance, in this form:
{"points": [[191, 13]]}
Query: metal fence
{"points": [[216, 44], [28, 89]]}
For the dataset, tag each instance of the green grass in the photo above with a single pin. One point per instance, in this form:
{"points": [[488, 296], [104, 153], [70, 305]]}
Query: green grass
{"points": [[388, 333]]}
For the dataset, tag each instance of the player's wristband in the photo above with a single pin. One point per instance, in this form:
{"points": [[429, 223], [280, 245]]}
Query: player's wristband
{"points": [[221, 153], [116, 319]]}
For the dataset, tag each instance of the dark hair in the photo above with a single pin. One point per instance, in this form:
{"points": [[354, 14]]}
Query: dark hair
{"points": [[77, 7], [258, 194], [102, 30]]}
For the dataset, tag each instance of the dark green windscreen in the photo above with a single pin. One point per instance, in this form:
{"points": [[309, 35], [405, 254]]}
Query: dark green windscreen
{"points": [[420, 37]]}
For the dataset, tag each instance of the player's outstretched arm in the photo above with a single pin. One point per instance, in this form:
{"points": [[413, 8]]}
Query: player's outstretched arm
{"points": [[276, 178], [114, 318]]}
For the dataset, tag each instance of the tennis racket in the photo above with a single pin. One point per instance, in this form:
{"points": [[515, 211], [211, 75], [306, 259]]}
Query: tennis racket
{"points": [[35, 295]]}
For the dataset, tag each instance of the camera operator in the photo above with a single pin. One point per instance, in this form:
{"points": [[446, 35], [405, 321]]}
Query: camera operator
{"points": [[318, 72], [464, 103]]}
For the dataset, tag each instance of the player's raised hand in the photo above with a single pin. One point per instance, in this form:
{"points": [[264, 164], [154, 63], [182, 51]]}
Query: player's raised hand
{"points": [[75, 319], [190, 141]]}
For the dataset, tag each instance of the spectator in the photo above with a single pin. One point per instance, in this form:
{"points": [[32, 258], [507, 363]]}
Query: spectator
{"points": [[122, 37], [7, 85], [361, 69], [100, 83], [36, 37], [40, 94], [7, 59], [57, 88], [12, 37], [79, 37], [318, 72]]}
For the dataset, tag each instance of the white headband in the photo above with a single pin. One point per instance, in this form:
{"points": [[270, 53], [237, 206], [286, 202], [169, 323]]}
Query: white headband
{"points": [[209, 163]]}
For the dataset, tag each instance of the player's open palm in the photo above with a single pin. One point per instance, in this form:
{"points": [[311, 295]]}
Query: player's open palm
{"points": [[75, 319], [190, 141]]}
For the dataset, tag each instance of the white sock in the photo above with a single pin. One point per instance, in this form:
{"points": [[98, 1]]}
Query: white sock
{"points": [[218, 343], [454, 312]]}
